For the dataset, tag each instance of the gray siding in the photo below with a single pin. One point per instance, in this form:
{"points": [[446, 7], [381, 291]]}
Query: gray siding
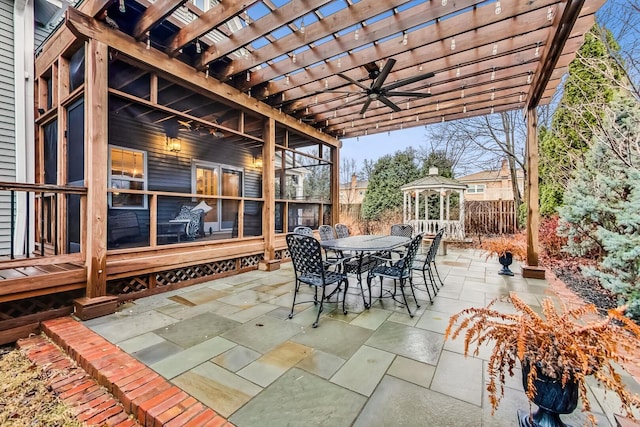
{"points": [[172, 172], [7, 118], [40, 34]]}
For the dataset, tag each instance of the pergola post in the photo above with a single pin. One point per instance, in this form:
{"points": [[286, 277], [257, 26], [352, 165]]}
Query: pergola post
{"points": [[533, 210], [404, 207], [269, 262]]}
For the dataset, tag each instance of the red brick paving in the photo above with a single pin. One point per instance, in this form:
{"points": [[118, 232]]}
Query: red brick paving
{"points": [[107, 387]]}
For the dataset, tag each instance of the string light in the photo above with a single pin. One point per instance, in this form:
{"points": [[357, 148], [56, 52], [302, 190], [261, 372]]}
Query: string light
{"points": [[302, 26], [335, 113], [442, 121], [339, 63], [493, 73], [352, 123], [444, 2], [377, 125], [364, 115], [390, 116], [429, 89], [494, 50], [283, 98], [248, 76], [198, 47], [493, 94], [462, 93], [356, 34], [464, 109], [529, 77], [405, 39], [492, 110], [122, 8], [326, 83], [417, 118], [306, 110], [346, 100], [420, 68], [549, 14], [287, 80], [148, 40], [453, 43], [206, 72], [520, 97], [344, 131], [498, 8], [458, 71], [293, 57], [247, 18], [437, 105], [537, 53], [326, 123], [366, 132], [408, 105], [316, 100]]}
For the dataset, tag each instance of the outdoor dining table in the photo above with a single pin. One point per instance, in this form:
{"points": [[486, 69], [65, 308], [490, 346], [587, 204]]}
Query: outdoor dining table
{"points": [[363, 245]]}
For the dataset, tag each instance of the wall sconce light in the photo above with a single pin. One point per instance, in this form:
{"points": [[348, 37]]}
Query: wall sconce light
{"points": [[174, 144], [257, 161]]}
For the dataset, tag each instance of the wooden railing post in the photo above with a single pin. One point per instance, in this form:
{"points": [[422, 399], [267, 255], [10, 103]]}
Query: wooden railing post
{"points": [[268, 185]]}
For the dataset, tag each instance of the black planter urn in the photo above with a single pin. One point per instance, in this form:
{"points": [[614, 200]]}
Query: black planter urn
{"points": [[552, 400], [506, 260]]}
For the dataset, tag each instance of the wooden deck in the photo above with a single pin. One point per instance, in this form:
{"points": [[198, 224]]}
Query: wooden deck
{"points": [[29, 277]]}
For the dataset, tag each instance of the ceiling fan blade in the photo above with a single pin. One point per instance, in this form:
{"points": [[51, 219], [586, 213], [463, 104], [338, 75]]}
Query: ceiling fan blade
{"points": [[355, 82], [409, 80], [365, 106], [388, 103], [414, 94], [377, 84], [353, 101]]}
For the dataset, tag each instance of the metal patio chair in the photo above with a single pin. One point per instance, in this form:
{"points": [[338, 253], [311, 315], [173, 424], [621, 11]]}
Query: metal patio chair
{"points": [[303, 230], [342, 231], [399, 270], [404, 230], [310, 268], [425, 266]]}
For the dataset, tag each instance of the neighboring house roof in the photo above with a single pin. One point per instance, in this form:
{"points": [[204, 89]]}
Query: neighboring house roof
{"points": [[358, 184], [489, 175], [435, 182]]}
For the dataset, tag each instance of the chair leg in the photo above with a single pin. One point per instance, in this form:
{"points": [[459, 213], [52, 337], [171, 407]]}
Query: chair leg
{"points": [[295, 293], [435, 267], [426, 285], [432, 279], [369, 288], [344, 296], [404, 297], [315, 324], [413, 292]]}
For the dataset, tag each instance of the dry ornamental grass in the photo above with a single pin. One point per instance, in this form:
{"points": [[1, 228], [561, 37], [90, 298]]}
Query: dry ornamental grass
{"points": [[25, 399]]}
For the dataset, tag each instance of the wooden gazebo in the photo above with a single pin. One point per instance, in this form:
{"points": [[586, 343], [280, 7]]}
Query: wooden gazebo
{"points": [[417, 204], [145, 108]]}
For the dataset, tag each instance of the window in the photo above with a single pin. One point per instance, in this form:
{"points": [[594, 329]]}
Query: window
{"points": [[476, 188], [214, 179], [128, 171]]}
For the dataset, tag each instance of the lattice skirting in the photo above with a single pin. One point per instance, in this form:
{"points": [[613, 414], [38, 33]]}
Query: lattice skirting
{"points": [[282, 254], [39, 304], [183, 276]]}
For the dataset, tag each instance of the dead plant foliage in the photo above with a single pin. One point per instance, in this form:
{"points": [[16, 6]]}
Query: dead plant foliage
{"points": [[563, 343], [25, 399], [502, 244]]}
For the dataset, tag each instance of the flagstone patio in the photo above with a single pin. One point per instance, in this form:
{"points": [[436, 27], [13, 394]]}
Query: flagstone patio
{"points": [[229, 344]]}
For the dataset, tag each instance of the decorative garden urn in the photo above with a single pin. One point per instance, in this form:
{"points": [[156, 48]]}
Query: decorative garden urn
{"points": [[506, 260]]}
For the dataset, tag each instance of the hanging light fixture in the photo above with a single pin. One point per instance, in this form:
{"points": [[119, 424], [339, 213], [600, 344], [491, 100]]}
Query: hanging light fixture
{"points": [[198, 47], [302, 26], [444, 2], [173, 144], [148, 40], [121, 7], [549, 14], [293, 57], [405, 39], [458, 71], [206, 72], [464, 109], [462, 93], [453, 43], [442, 121], [356, 34], [529, 77], [286, 81], [437, 105], [492, 110], [248, 75], [494, 50], [247, 18], [537, 53], [493, 73], [493, 93], [498, 8]]}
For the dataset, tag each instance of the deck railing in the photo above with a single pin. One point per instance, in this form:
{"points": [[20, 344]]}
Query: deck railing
{"points": [[39, 219]]}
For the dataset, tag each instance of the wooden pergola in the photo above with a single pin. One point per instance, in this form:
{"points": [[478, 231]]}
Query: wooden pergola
{"points": [[311, 65]]}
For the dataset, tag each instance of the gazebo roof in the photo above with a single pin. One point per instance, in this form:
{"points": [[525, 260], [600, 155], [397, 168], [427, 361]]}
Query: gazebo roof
{"points": [[434, 182]]}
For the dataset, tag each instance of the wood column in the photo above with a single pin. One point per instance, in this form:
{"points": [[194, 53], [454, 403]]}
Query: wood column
{"points": [[533, 209], [335, 185], [95, 165], [268, 186]]}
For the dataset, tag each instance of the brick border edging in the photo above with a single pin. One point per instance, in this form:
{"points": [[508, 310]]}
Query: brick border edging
{"points": [[142, 392]]}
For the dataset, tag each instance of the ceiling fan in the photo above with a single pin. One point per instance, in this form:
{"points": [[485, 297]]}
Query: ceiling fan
{"points": [[376, 91]]}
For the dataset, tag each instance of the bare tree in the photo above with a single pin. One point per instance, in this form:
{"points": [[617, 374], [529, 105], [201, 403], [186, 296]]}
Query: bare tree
{"points": [[482, 142], [348, 170]]}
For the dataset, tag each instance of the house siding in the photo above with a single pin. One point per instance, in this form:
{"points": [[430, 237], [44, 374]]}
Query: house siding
{"points": [[7, 117]]}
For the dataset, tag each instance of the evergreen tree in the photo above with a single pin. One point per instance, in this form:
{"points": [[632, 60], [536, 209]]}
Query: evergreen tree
{"points": [[438, 159], [602, 205], [388, 175], [588, 89]]}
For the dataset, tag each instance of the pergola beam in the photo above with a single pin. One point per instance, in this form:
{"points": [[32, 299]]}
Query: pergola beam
{"points": [[154, 14]]}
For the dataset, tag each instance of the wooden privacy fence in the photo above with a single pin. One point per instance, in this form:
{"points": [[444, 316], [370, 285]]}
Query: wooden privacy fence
{"points": [[490, 217]]}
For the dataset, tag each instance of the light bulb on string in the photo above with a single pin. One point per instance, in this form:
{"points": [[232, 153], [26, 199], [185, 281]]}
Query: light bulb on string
{"points": [[537, 52], [148, 40], [493, 73], [493, 94], [293, 57], [206, 72], [198, 47], [437, 105], [247, 18], [287, 82], [248, 76], [121, 7], [405, 39], [356, 34], [462, 93], [549, 14], [326, 83], [494, 50], [492, 110], [453, 43], [444, 2], [339, 63], [302, 29], [498, 8], [458, 71], [408, 105], [442, 121], [464, 109], [335, 113], [429, 89], [529, 77]]}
